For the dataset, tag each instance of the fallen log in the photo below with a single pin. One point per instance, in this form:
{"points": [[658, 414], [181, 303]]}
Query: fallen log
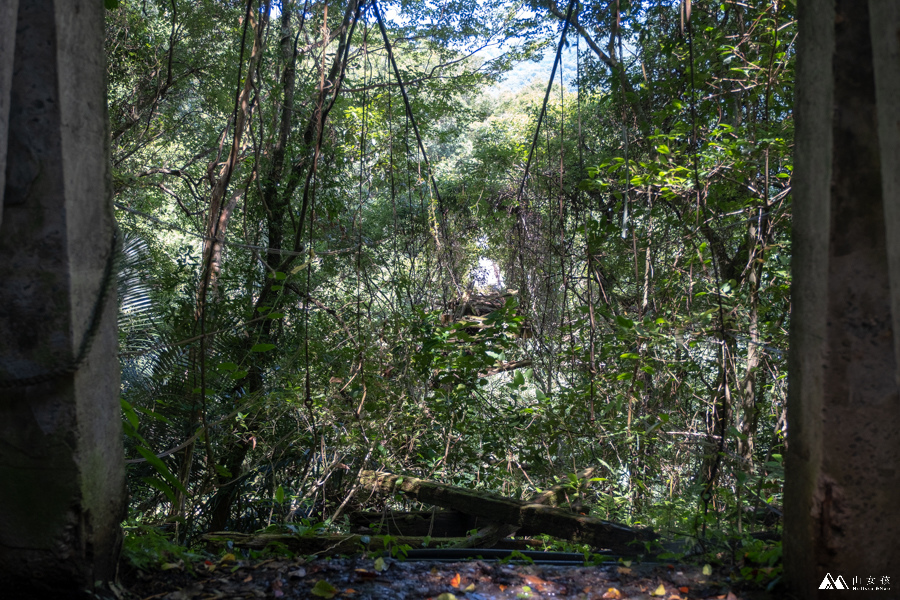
{"points": [[434, 523], [441, 523], [341, 544], [488, 537], [549, 520]]}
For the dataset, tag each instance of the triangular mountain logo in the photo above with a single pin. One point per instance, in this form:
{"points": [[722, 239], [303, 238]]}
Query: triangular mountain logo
{"points": [[831, 583]]}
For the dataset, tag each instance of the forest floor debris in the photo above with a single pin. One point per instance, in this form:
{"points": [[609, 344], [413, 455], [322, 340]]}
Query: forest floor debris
{"points": [[390, 579]]}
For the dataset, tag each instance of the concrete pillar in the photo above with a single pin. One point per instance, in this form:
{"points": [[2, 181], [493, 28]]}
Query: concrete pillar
{"points": [[62, 491], [842, 487]]}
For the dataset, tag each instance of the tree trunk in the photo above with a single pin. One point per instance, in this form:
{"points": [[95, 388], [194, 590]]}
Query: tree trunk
{"points": [[62, 494], [842, 489]]}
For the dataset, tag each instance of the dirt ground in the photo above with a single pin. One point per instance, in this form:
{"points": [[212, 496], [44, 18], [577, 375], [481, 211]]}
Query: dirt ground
{"points": [[368, 579]]}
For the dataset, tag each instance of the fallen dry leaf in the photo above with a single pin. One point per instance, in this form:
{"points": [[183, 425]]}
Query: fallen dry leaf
{"points": [[536, 582], [365, 574], [612, 594]]}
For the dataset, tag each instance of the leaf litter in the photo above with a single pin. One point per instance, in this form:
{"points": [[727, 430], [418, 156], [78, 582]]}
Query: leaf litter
{"points": [[389, 579]]}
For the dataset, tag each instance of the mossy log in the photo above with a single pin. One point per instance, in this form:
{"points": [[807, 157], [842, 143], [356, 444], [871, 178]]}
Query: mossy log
{"points": [[522, 514], [490, 536], [434, 523]]}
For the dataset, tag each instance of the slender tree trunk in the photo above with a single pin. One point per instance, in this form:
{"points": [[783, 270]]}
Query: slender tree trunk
{"points": [[758, 238], [235, 454], [842, 490]]}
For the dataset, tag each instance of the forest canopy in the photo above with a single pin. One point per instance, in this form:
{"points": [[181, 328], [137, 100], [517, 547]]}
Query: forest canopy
{"points": [[326, 271]]}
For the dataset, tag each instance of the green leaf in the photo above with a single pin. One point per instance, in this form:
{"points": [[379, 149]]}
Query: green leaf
{"points": [[279, 495], [238, 375], [154, 415], [130, 414], [323, 589], [274, 315], [228, 366], [262, 347], [161, 468], [161, 486], [624, 322], [111, 4]]}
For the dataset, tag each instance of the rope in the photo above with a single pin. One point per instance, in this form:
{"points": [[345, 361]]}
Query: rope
{"points": [[409, 112], [537, 130]]}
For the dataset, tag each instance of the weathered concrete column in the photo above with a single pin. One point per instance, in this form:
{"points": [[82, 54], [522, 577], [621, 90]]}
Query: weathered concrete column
{"points": [[842, 488], [61, 468]]}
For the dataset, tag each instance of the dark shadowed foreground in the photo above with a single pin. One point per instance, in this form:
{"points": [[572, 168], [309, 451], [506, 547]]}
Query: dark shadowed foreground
{"points": [[364, 579]]}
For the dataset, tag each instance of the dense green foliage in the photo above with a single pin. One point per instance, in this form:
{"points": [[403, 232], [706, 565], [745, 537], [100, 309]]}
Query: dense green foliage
{"points": [[298, 302]]}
